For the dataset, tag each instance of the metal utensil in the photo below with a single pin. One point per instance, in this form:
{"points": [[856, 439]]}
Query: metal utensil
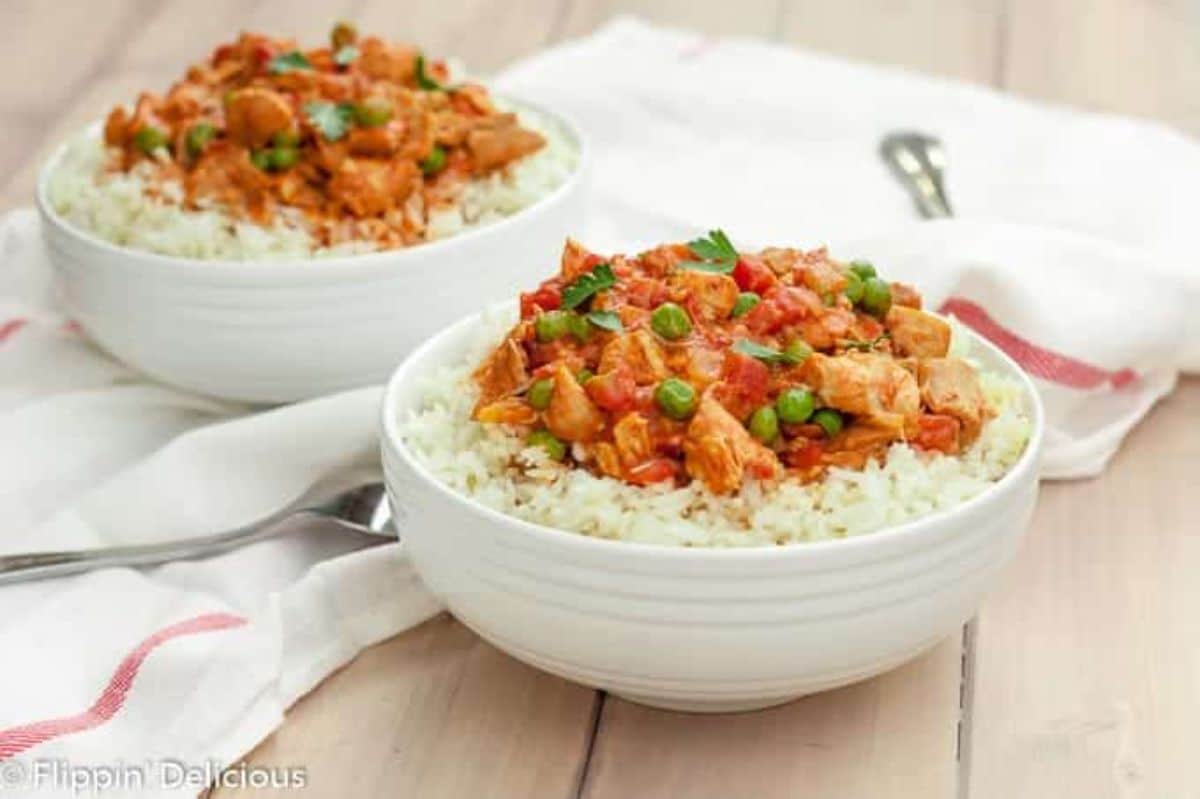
{"points": [[361, 511], [919, 162]]}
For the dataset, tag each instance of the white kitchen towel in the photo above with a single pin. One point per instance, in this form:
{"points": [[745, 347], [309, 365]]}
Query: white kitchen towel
{"points": [[1072, 251]]}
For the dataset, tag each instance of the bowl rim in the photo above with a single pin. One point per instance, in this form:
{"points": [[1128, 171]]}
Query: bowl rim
{"points": [[1017, 474], [304, 269]]}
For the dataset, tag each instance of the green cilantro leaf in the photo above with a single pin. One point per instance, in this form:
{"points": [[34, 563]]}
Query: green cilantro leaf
{"points": [[586, 285], [345, 56], [424, 81], [332, 119], [717, 253], [606, 320], [864, 346], [289, 62], [764, 353]]}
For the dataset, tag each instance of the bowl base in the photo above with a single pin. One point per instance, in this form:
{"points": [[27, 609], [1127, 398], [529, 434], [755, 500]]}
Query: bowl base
{"points": [[708, 705]]}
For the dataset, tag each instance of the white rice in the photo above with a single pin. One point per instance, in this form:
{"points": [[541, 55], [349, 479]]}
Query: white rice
{"points": [[491, 465], [118, 208]]}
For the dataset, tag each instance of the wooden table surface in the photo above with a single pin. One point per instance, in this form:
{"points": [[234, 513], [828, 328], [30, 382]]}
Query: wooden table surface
{"points": [[1081, 676]]}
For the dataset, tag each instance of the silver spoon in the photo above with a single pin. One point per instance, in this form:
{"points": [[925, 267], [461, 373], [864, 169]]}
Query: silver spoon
{"points": [[361, 511], [919, 162]]}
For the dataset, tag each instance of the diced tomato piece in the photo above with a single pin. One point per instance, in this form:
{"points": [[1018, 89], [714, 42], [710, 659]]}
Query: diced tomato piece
{"points": [[263, 53], [766, 317], [652, 471], [744, 382], [644, 292], [547, 298], [752, 274], [938, 432], [807, 455], [795, 303], [613, 391]]}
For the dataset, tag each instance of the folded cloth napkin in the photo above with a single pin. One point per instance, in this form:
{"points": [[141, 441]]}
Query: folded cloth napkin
{"points": [[1072, 252]]}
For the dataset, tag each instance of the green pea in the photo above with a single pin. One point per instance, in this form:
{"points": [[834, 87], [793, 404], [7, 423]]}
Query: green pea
{"points": [[877, 297], [578, 326], [670, 321], [863, 269], [282, 157], [261, 159], [675, 398], [829, 420], [764, 424], [198, 137], [854, 288], [546, 440], [745, 301], [552, 325], [434, 162], [584, 375], [149, 138], [539, 393], [797, 351], [286, 138], [372, 112], [795, 405]]}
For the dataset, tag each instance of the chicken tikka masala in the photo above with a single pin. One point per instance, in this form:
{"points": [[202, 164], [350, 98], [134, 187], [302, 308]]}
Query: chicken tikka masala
{"points": [[698, 362], [361, 137]]}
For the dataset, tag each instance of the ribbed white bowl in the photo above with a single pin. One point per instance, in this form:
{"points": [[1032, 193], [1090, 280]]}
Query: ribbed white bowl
{"points": [[701, 629], [285, 331]]}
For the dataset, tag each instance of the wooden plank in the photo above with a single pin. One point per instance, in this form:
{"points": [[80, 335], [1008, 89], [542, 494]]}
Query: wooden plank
{"points": [[1087, 674], [749, 17], [954, 39], [893, 736], [435, 712], [1129, 56]]}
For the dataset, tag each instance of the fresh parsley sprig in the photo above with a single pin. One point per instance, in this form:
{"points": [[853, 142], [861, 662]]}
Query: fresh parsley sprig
{"points": [[345, 56], [764, 353], [289, 62], [716, 252], [864, 346], [606, 320], [587, 285], [332, 119]]}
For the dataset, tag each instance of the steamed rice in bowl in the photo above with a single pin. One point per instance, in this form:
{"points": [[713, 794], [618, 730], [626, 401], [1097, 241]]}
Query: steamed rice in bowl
{"points": [[106, 185], [491, 464]]}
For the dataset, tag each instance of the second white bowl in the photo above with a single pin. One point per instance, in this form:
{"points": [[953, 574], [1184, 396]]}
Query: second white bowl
{"points": [[286, 331]]}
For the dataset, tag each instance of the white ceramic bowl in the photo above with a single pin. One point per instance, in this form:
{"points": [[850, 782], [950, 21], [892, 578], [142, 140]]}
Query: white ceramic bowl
{"points": [[701, 629], [288, 330]]}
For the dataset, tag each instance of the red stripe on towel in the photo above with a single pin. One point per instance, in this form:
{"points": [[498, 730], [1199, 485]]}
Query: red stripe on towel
{"points": [[16, 740], [1038, 361], [10, 327]]}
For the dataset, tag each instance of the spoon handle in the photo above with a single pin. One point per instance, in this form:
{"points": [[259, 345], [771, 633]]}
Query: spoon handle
{"points": [[918, 163]]}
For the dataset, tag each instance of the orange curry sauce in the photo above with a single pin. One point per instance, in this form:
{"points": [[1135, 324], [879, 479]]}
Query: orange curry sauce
{"points": [[694, 361], [364, 138]]}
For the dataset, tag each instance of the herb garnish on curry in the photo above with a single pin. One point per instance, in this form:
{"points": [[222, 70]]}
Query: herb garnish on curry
{"points": [[695, 361], [362, 137]]}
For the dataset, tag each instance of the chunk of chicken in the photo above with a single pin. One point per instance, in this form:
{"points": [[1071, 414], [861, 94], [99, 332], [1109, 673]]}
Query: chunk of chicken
{"points": [[509, 410], [367, 187], [857, 444], [254, 114], [916, 333], [379, 59], [504, 373], [640, 354], [707, 296], [571, 415], [631, 434], [719, 452], [868, 385], [501, 141], [950, 386], [576, 259]]}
